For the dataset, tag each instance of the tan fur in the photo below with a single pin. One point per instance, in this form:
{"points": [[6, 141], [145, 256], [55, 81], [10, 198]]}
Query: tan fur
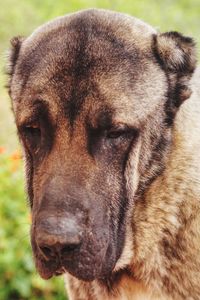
{"points": [[128, 289]]}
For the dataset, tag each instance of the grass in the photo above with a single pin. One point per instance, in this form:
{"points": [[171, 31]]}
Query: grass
{"points": [[18, 279]]}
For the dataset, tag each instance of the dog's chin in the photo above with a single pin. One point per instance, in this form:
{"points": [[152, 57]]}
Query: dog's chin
{"points": [[82, 272], [47, 273], [83, 264], [84, 276], [46, 270]]}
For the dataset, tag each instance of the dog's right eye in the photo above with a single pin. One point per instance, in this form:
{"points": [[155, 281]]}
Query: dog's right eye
{"points": [[32, 136]]}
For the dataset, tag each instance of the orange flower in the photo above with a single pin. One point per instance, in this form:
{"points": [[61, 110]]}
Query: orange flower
{"points": [[2, 150], [15, 159], [16, 155]]}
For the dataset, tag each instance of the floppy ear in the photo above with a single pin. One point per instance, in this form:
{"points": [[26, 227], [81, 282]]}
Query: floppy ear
{"points": [[177, 56], [176, 51], [13, 55]]}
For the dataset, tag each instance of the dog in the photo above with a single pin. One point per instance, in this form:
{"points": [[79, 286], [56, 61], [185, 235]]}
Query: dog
{"points": [[107, 110]]}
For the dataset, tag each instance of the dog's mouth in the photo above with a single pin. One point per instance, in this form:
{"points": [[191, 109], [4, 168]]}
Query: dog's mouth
{"points": [[84, 265], [60, 271], [49, 269], [86, 272]]}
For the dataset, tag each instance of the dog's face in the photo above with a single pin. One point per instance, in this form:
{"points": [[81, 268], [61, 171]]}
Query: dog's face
{"points": [[94, 96]]}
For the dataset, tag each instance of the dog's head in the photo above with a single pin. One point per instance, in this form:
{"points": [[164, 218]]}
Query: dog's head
{"points": [[94, 95]]}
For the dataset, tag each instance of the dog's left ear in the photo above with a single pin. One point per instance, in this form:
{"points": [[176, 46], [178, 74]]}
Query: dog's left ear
{"points": [[177, 56], [13, 55]]}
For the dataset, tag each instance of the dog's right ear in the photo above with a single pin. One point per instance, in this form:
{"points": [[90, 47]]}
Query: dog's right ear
{"points": [[176, 54], [13, 55]]}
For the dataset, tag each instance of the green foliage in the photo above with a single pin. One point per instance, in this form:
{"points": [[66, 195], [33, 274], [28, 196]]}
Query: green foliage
{"points": [[18, 278]]}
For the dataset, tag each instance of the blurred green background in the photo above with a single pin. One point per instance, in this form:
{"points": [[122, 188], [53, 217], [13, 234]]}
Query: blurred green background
{"points": [[18, 278]]}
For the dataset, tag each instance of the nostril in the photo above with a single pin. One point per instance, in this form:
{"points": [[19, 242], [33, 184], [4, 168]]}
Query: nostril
{"points": [[58, 249], [47, 251]]}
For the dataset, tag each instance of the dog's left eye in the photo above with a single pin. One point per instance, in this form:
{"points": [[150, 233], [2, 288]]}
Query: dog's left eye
{"points": [[32, 136], [116, 133], [120, 132], [32, 130]]}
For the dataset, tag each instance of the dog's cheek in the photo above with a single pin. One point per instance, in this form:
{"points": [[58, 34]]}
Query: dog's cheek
{"points": [[28, 166], [132, 170]]}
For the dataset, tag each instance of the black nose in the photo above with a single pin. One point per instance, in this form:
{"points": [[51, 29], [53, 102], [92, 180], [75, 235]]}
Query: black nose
{"points": [[58, 236]]}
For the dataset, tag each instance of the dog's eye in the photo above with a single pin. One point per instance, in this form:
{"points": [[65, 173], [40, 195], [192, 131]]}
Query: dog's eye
{"points": [[115, 133], [32, 136], [121, 135], [32, 130], [122, 131]]}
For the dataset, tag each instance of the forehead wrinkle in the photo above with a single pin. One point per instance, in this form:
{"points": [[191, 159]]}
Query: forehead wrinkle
{"points": [[107, 115], [104, 109], [29, 110]]}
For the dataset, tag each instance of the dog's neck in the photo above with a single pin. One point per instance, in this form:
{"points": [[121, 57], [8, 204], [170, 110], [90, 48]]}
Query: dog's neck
{"points": [[125, 288]]}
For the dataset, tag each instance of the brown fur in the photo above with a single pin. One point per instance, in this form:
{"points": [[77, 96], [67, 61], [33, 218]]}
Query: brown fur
{"points": [[112, 164]]}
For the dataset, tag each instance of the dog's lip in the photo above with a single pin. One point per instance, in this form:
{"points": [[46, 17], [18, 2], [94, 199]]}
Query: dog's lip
{"points": [[60, 271], [57, 267]]}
